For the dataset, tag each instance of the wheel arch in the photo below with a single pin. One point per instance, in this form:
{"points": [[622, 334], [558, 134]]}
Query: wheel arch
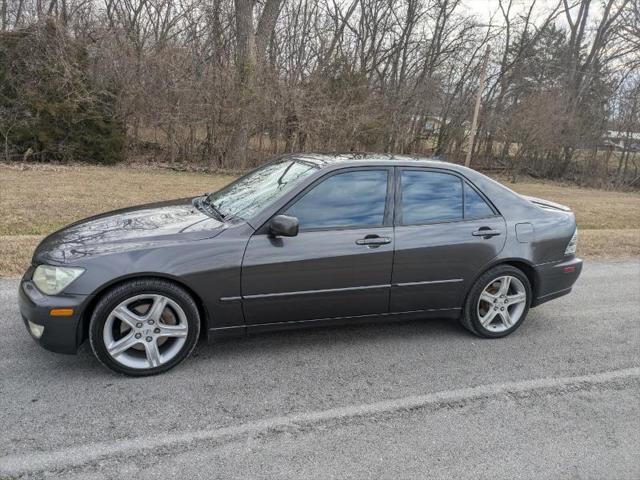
{"points": [[99, 293], [528, 270], [521, 264]]}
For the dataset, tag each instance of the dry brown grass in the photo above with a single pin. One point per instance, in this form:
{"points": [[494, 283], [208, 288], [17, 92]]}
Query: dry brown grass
{"points": [[609, 243], [35, 201], [38, 200], [594, 209], [15, 253]]}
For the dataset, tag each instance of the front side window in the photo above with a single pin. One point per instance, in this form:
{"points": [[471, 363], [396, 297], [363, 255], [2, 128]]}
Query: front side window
{"points": [[350, 199], [429, 197], [252, 193]]}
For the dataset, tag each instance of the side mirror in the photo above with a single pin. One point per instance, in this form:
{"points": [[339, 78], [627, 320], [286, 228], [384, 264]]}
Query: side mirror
{"points": [[283, 226]]}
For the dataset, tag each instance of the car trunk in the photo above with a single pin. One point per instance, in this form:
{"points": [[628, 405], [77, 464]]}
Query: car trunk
{"points": [[548, 204]]}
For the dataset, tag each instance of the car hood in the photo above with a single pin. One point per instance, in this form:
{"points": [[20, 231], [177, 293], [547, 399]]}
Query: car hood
{"points": [[143, 226]]}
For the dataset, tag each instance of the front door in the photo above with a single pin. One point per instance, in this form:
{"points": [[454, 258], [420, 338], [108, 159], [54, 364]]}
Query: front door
{"points": [[339, 265], [445, 233]]}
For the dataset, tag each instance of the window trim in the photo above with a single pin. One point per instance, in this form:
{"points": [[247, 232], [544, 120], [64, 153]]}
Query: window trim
{"points": [[482, 196], [388, 206], [398, 221]]}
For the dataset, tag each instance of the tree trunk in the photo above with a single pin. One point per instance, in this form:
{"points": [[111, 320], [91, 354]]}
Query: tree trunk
{"points": [[6, 148], [3, 16], [245, 65], [247, 60]]}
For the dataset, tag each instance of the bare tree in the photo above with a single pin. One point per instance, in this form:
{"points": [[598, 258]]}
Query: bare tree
{"points": [[227, 83], [251, 48]]}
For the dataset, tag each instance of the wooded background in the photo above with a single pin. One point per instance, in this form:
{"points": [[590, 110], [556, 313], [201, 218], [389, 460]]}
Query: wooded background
{"points": [[226, 84]]}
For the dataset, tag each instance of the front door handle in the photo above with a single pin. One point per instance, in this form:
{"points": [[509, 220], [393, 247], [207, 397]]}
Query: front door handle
{"points": [[486, 232], [373, 240]]}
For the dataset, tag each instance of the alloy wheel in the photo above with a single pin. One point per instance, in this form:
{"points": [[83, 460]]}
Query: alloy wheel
{"points": [[502, 303], [145, 331]]}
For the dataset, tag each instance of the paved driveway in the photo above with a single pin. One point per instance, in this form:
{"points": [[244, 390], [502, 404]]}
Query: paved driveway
{"points": [[558, 399]]}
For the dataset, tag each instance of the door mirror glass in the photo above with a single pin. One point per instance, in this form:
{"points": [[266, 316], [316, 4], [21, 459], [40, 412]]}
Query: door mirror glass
{"points": [[283, 226]]}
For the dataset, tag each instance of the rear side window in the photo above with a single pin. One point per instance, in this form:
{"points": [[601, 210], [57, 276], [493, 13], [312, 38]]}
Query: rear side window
{"points": [[430, 197], [354, 199], [474, 205]]}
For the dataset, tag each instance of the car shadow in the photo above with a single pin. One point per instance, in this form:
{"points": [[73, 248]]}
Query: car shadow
{"points": [[283, 342], [349, 336], [433, 334]]}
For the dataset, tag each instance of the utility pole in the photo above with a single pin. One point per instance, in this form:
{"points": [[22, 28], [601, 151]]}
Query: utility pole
{"points": [[476, 110]]}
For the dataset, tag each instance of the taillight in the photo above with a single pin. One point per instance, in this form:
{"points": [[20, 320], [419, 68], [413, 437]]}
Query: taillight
{"points": [[573, 243]]}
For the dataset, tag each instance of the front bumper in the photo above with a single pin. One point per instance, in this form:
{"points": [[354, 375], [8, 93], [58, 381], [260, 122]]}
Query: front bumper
{"points": [[555, 279], [60, 334]]}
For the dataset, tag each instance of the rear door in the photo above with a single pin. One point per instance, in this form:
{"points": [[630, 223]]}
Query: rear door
{"points": [[339, 264], [445, 232]]}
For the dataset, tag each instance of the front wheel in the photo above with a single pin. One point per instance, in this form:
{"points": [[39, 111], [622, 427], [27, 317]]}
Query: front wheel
{"points": [[144, 327], [497, 303]]}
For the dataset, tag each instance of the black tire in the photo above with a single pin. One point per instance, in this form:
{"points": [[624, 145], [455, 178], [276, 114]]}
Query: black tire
{"points": [[470, 319], [112, 298]]}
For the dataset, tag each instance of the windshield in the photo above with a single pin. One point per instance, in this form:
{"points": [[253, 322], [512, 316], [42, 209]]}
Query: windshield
{"points": [[251, 193]]}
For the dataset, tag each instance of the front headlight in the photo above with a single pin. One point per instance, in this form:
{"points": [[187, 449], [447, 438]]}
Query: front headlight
{"points": [[51, 280], [573, 244]]}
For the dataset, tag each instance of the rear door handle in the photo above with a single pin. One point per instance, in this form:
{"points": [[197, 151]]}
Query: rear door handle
{"points": [[373, 240], [486, 232]]}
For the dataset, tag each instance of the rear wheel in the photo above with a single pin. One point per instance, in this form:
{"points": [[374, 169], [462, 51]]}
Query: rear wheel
{"points": [[498, 302], [144, 327]]}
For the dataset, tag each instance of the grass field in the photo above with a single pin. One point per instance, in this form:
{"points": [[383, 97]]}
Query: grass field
{"points": [[37, 200]]}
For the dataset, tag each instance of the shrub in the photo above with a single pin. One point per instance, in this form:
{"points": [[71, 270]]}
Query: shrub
{"points": [[49, 109]]}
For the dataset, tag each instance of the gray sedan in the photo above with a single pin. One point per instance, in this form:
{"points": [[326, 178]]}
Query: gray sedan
{"points": [[305, 240]]}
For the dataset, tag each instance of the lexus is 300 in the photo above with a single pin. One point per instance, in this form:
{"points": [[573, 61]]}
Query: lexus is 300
{"points": [[306, 239]]}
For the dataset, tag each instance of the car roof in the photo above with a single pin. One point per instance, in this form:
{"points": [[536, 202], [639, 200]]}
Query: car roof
{"points": [[509, 203], [326, 160], [502, 196]]}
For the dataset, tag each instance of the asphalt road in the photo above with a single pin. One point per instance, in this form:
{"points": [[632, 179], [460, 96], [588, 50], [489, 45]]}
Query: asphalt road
{"points": [[558, 399]]}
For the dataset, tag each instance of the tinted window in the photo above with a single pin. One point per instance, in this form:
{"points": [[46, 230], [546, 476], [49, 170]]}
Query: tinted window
{"points": [[352, 198], [474, 204], [430, 197]]}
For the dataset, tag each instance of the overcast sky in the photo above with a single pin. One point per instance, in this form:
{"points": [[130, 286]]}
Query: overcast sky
{"points": [[484, 9]]}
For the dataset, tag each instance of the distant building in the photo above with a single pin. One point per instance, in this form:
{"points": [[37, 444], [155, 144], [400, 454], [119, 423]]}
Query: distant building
{"points": [[431, 125], [427, 125], [616, 140]]}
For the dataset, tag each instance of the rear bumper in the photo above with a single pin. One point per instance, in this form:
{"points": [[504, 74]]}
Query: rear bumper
{"points": [[555, 279], [60, 334]]}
